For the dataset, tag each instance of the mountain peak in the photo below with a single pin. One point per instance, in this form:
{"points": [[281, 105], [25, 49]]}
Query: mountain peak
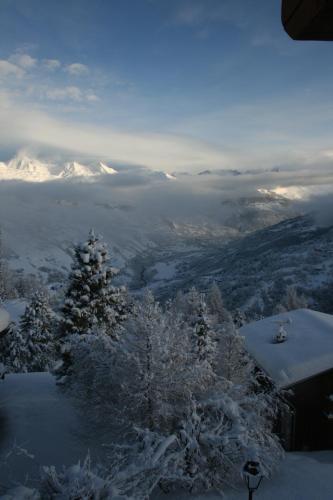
{"points": [[75, 169], [104, 169], [23, 167]]}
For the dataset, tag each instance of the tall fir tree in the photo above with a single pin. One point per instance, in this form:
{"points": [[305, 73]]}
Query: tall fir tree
{"points": [[205, 337], [92, 303], [36, 327]]}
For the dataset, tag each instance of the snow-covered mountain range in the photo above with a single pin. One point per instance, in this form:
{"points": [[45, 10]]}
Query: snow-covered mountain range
{"points": [[25, 168]]}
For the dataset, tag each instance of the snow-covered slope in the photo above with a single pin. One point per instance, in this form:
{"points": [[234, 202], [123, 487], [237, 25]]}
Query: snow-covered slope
{"points": [[134, 210], [163, 176], [104, 169], [146, 217], [75, 169], [4, 319], [40, 427], [254, 271]]}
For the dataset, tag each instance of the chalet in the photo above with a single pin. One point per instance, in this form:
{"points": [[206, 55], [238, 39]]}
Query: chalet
{"points": [[295, 349]]}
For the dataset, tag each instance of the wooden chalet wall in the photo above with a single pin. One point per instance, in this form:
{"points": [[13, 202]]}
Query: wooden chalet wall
{"points": [[310, 427]]}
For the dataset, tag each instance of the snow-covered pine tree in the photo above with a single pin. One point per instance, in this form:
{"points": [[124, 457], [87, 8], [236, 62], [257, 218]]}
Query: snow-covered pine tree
{"points": [[92, 303], [190, 304], [16, 353], [36, 327], [204, 336], [216, 306], [291, 300]]}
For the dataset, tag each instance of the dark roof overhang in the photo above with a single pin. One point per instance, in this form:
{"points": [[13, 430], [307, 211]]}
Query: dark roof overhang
{"points": [[308, 19]]}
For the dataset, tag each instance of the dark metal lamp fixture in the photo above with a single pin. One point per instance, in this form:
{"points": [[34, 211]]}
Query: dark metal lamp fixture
{"points": [[253, 476]]}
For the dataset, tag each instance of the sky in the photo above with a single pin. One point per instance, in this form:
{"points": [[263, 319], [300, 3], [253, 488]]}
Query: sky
{"points": [[178, 85]]}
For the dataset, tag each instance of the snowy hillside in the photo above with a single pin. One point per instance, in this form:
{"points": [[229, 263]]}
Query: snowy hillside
{"points": [[255, 270], [138, 211]]}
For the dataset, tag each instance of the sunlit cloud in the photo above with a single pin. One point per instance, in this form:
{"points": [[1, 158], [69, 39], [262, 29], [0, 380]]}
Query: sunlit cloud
{"points": [[24, 61], [77, 69], [9, 69]]}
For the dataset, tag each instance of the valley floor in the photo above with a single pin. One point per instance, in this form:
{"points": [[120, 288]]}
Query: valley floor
{"points": [[38, 426]]}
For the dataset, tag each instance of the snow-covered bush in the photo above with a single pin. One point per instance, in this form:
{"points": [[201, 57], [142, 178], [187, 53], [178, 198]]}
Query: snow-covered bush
{"points": [[14, 350], [79, 481], [192, 430], [37, 328], [208, 450], [146, 378]]}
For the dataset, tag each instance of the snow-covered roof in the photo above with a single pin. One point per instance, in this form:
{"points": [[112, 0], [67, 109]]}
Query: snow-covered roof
{"points": [[307, 351], [4, 319]]}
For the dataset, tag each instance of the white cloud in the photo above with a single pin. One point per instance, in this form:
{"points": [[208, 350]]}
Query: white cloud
{"points": [[90, 96], [51, 64], [23, 124], [9, 69], [24, 61], [77, 69], [64, 93], [71, 93]]}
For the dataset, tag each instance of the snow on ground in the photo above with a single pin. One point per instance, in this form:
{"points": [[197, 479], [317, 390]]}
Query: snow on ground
{"points": [[302, 476], [4, 319], [37, 417], [15, 309]]}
